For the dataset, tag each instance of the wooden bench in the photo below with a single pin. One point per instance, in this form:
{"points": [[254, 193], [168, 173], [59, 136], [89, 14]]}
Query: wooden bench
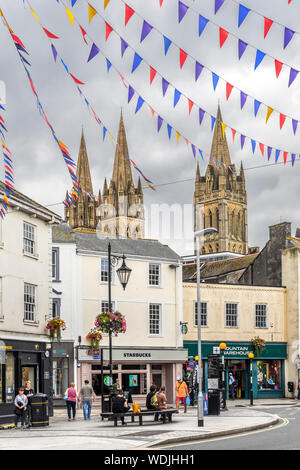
{"points": [[166, 413]]}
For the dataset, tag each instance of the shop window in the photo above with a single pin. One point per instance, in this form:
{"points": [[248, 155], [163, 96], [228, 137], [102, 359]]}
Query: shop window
{"points": [[269, 375], [204, 319], [29, 302], [10, 377], [29, 238], [133, 366], [231, 315], [96, 383], [60, 376], [260, 315]]}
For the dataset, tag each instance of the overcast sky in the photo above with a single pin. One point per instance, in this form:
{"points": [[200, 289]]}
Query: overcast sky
{"points": [[40, 172]]}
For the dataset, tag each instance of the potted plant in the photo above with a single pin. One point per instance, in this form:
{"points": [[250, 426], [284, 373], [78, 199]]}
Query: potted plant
{"points": [[55, 326], [259, 345], [111, 323], [95, 336]]}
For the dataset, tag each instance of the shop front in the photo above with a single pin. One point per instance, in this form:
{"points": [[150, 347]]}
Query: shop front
{"points": [[137, 369], [63, 370], [267, 369], [21, 361]]}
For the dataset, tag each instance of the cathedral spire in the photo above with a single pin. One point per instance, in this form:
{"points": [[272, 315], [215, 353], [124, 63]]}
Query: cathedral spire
{"points": [[122, 176], [83, 168], [219, 149]]}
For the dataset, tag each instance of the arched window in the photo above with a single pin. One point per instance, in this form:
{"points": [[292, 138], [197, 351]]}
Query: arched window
{"points": [[210, 218], [217, 220]]}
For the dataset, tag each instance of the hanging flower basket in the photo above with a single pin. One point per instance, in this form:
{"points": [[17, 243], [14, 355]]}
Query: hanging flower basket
{"points": [[111, 323], [95, 336], [55, 326], [258, 344]]}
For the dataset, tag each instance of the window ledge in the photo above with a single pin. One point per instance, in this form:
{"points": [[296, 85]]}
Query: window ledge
{"points": [[32, 323], [30, 255], [1, 245]]}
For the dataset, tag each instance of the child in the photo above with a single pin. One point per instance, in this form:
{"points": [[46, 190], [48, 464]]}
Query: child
{"points": [[21, 402]]}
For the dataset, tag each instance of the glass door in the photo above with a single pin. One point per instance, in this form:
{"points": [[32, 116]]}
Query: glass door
{"points": [[30, 373]]}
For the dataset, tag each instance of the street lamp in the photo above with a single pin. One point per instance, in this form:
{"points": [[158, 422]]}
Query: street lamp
{"points": [[222, 347], [251, 356], [123, 274], [198, 234]]}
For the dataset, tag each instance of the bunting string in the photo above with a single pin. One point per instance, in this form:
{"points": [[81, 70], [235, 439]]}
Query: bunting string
{"points": [[9, 183], [202, 112], [198, 70]]}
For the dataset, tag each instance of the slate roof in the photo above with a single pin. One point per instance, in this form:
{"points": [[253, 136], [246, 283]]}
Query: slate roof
{"points": [[214, 269], [91, 242]]}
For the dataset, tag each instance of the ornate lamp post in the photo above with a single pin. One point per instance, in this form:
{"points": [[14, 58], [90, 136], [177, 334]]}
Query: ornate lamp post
{"points": [[123, 274], [251, 356], [198, 234], [222, 347]]}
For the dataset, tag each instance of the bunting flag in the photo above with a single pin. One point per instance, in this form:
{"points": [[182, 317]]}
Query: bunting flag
{"points": [[49, 34], [228, 90], [108, 30], [92, 12], [124, 46], [177, 95], [147, 28], [182, 9], [198, 70], [241, 48], [278, 67], [152, 74], [243, 12], [128, 13], [288, 34], [215, 79], [282, 119], [167, 44], [165, 85], [106, 2], [83, 34], [93, 52], [182, 57], [136, 61], [243, 99], [70, 15], [258, 59], [223, 36], [269, 112], [267, 25], [201, 24], [218, 4]]}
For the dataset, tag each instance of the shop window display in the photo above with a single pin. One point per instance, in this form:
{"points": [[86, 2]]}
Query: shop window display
{"points": [[10, 377], [269, 375], [60, 376]]}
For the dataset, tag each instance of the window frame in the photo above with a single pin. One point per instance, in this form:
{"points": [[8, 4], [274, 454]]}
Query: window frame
{"points": [[155, 304], [266, 315], [159, 284], [26, 240], [56, 277], [105, 259], [237, 315], [196, 313], [56, 301], [26, 320]]}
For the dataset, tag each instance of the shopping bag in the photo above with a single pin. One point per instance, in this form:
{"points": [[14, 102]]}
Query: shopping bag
{"points": [[188, 401]]}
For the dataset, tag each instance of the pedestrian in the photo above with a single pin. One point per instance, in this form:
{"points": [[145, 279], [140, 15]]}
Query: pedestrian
{"points": [[71, 397], [120, 405], [161, 398], [28, 392], [298, 397], [192, 395], [20, 408], [181, 393], [231, 383], [151, 399], [87, 396], [116, 387]]}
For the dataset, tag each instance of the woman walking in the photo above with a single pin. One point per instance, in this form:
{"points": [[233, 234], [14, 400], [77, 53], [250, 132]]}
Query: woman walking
{"points": [[71, 397]]}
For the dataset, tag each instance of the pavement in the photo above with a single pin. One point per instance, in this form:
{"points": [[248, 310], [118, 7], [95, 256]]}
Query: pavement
{"points": [[95, 434]]}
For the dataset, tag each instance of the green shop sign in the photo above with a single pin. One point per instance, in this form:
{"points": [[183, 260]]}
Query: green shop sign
{"points": [[236, 350]]}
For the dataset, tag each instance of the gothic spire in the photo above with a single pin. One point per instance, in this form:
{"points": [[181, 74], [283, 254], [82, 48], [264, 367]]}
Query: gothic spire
{"points": [[122, 176], [219, 149], [83, 168]]}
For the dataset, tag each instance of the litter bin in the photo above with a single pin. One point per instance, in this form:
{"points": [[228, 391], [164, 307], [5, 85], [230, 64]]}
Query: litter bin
{"points": [[106, 404], [214, 402], [39, 410]]}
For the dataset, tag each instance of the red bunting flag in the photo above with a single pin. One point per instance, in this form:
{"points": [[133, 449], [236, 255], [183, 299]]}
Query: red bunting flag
{"points": [[228, 90], [223, 36], [278, 67], [191, 104], [262, 148], [49, 34], [83, 32], [268, 24], [233, 134], [76, 80], [152, 74], [282, 119], [182, 57], [128, 13], [108, 30], [16, 39], [160, 2], [285, 154], [152, 111]]}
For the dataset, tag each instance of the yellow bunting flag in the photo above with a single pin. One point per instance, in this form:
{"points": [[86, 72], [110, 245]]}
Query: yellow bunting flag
{"points": [[223, 128], [106, 2], [269, 112], [177, 135], [70, 15], [34, 14], [92, 12]]}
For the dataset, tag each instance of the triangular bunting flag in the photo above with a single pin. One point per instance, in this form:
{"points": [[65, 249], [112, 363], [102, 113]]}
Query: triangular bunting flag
{"points": [[198, 70], [49, 34], [106, 2], [233, 131], [201, 115], [269, 112], [285, 154], [54, 52], [253, 144], [277, 153], [182, 9], [130, 93], [288, 34], [94, 51], [293, 75], [160, 2], [70, 15], [259, 57], [282, 119], [215, 79], [267, 26], [167, 44], [159, 123], [92, 12], [165, 85], [278, 67], [76, 80], [104, 132], [202, 23], [269, 152], [256, 106], [243, 99], [136, 61], [294, 124], [124, 46], [177, 95], [108, 30], [243, 12], [242, 140], [228, 90], [223, 36], [191, 104], [213, 120], [146, 29], [139, 104], [169, 131], [128, 13], [108, 64], [218, 4], [242, 48], [293, 159], [182, 57], [83, 32], [262, 148], [177, 136], [193, 150], [152, 74]]}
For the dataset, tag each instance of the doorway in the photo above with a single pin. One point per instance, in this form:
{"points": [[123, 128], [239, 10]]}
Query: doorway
{"points": [[238, 369], [30, 373]]}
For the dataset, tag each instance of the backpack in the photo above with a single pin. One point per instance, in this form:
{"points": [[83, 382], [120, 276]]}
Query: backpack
{"points": [[153, 401]]}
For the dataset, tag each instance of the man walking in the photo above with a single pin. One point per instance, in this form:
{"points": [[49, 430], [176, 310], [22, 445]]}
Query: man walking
{"points": [[87, 395]]}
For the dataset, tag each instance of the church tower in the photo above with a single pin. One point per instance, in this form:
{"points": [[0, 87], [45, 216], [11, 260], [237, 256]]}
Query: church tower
{"points": [[122, 212], [82, 215], [220, 200]]}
